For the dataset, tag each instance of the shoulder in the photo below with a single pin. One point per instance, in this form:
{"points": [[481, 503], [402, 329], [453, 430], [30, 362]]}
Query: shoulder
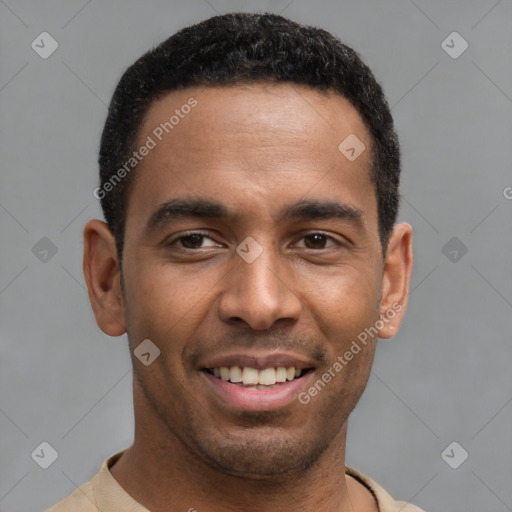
{"points": [[100, 494], [86, 498], [385, 501], [81, 500]]}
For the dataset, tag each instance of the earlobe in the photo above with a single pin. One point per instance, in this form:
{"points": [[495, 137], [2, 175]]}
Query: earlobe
{"points": [[102, 275], [396, 278]]}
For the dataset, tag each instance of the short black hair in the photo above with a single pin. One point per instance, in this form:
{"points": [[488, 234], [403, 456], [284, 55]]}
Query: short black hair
{"points": [[244, 48]]}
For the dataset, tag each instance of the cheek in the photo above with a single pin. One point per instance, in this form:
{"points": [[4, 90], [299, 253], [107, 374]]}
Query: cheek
{"points": [[162, 291], [166, 305], [350, 308], [343, 303]]}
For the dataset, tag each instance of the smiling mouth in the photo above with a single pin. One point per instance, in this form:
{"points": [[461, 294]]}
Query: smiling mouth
{"points": [[253, 378]]}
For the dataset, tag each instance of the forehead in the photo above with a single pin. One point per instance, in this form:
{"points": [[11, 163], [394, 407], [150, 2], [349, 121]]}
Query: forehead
{"points": [[250, 142], [278, 113]]}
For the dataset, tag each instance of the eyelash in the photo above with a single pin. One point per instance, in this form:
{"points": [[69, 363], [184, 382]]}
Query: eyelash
{"points": [[199, 233], [187, 235]]}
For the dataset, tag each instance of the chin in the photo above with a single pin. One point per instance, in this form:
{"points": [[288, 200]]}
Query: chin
{"points": [[260, 455]]}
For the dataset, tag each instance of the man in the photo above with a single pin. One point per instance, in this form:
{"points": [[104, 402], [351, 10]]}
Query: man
{"points": [[249, 180]]}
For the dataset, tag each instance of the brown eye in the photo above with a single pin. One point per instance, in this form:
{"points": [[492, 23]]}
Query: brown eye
{"points": [[315, 241], [194, 241]]}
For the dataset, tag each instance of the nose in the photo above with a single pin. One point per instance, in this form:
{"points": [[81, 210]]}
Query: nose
{"points": [[258, 294]]}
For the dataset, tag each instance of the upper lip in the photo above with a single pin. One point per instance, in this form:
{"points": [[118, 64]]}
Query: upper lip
{"points": [[259, 361]]}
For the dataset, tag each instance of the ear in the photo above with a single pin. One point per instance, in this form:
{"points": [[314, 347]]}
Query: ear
{"points": [[396, 278], [103, 278]]}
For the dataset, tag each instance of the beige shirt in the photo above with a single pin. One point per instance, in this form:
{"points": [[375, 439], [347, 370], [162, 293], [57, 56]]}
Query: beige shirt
{"points": [[103, 494]]}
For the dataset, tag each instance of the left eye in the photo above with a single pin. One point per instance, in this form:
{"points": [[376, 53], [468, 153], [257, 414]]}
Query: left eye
{"points": [[195, 241], [317, 241]]}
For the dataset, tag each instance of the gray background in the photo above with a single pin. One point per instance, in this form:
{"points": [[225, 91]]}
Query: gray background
{"points": [[446, 376]]}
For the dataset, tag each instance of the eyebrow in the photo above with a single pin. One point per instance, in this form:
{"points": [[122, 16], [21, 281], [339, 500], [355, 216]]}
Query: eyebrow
{"points": [[313, 210], [207, 208], [186, 208]]}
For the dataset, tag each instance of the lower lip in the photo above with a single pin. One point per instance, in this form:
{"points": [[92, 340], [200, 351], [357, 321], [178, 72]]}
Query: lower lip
{"points": [[249, 399]]}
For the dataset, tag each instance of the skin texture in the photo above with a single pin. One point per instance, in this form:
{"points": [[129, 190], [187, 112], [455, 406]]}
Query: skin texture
{"points": [[255, 149]]}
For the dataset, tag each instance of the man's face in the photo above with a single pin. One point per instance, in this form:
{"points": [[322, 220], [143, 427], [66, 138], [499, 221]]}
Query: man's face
{"points": [[262, 162]]}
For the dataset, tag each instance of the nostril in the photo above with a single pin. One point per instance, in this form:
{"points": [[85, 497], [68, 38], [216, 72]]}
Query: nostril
{"points": [[238, 321]]}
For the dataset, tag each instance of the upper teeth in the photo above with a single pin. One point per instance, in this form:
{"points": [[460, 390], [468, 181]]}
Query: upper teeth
{"points": [[252, 376]]}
